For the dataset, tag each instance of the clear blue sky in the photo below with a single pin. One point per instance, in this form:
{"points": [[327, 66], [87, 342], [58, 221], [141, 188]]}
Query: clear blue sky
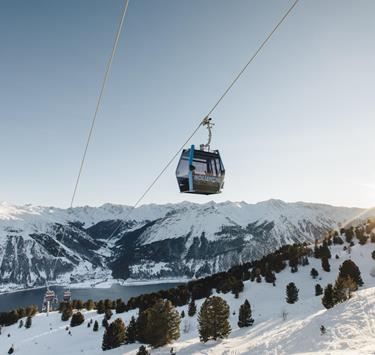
{"points": [[298, 126]]}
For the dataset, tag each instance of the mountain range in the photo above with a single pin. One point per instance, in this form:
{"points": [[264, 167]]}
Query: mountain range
{"points": [[153, 242]]}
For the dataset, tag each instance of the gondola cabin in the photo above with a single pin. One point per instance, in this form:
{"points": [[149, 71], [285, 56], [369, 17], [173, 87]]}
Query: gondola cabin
{"points": [[67, 296], [200, 172], [49, 296]]}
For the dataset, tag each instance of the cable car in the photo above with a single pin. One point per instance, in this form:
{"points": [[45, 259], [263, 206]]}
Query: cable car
{"points": [[201, 171], [49, 299], [67, 296], [49, 296]]}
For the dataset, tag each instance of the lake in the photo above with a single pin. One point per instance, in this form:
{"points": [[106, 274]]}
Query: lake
{"points": [[13, 300]]}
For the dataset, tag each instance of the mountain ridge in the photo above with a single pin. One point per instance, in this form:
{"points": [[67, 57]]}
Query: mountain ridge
{"points": [[157, 241]]}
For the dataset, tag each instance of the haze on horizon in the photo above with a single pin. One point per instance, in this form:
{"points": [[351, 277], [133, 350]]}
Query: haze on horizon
{"points": [[298, 126]]}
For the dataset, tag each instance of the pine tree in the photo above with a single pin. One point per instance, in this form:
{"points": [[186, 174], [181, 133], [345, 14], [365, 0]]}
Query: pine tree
{"points": [[349, 234], [131, 331], [192, 308], [314, 273], [324, 251], [349, 268], [244, 315], [105, 323], [78, 304], [108, 314], [213, 319], [96, 326], [115, 335], [337, 240], [67, 313], [28, 323], [89, 305], [293, 263], [77, 319], [318, 290], [120, 306], [325, 264], [328, 299], [109, 304], [142, 351], [291, 293], [31, 310], [270, 277], [159, 324], [100, 307], [343, 288], [20, 325]]}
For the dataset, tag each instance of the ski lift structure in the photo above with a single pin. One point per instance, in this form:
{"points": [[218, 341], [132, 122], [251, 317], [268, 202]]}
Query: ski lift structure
{"points": [[49, 300], [67, 295], [201, 171]]}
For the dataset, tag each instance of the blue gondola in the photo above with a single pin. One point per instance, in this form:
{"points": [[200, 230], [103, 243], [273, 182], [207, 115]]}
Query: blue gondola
{"points": [[201, 171]]}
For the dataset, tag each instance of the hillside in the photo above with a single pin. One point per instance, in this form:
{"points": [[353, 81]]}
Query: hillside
{"points": [[350, 325], [156, 242]]}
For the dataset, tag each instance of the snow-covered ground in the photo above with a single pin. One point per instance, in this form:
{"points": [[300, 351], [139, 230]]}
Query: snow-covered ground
{"points": [[350, 325]]}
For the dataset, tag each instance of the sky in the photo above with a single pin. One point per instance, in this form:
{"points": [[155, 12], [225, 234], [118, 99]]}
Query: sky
{"points": [[298, 126]]}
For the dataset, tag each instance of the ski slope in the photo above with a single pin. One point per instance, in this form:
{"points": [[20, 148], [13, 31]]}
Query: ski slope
{"points": [[350, 325]]}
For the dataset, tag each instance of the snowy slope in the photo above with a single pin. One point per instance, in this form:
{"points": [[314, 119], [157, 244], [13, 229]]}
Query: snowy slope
{"points": [[350, 325], [156, 241]]}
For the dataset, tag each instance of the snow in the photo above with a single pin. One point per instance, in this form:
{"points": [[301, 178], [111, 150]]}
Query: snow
{"points": [[350, 325]]}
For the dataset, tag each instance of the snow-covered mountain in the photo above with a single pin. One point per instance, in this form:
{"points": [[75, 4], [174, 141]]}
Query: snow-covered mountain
{"points": [[154, 241], [279, 328]]}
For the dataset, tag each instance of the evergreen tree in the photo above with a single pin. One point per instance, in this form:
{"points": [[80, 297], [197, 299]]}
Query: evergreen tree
{"points": [[349, 268], [100, 307], [328, 299], [89, 305], [108, 304], [120, 306], [142, 351], [115, 335], [29, 321], [325, 264], [78, 304], [20, 324], [105, 322], [324, 251], [159, 325], [270, 277], [131, 331], [291, 293], [67, 313], [293, 263], [318, 290], [244, 315], [343, 288], [31, 310], [349, 234], [182, 315], [96, 326], [316, 252], [108, 314], [314, 273], [337, 240], [77, 319], [192, 308], [213, 319]]}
